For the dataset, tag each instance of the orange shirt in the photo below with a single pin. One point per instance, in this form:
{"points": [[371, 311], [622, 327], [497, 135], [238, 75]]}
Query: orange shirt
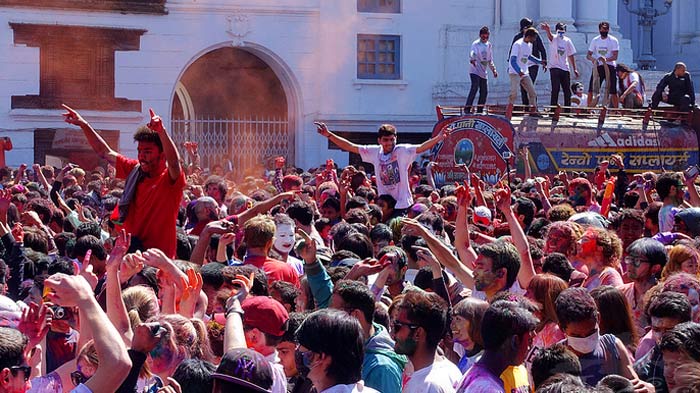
{"points": [[153, 210]]}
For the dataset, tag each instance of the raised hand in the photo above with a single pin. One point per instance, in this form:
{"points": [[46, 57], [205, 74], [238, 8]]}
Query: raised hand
{"points": [[72, 117], [412, 227], [119, 249], [307, 251], [5, 199], [130, 265], [190, 296], [502, 197], [156, 123], [87, 271], [244, 284], [322, 129], [35, 323], [424, 254], [68, 291], [18, 232], [31, 219]]}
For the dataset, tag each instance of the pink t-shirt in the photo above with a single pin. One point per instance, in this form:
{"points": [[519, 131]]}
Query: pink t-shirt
{"points": [[608, 276]]}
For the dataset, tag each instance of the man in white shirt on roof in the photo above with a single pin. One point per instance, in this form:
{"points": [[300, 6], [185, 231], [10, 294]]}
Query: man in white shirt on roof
{"points": [[603, 52], [520, 54], [561, 60]]}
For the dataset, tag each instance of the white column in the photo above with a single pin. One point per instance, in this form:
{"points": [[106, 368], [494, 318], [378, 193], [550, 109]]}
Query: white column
{"points": [[696, 22], [511, 13], [589, 13], [612, 15], [554, 11], [686, 19]]}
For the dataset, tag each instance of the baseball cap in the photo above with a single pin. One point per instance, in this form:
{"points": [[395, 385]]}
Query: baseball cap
{"points": [[265, 314], [560, 26], [482, 216], [245, 368]]}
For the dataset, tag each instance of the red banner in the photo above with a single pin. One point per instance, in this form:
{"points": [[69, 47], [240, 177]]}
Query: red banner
{"points": [[481, 142]]}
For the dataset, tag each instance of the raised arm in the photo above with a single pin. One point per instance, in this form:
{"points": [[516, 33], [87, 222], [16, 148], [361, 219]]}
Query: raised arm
{"points": [[96, 141], [527, 269], [74, 291], [442, 252], [341, 142], [116, 310], [264, 206], [234, 336], [464, 248], [172, 156], [427, 145]]}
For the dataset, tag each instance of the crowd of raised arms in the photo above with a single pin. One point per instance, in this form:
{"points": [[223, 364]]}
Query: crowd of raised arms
{"points": [[156, 275]]}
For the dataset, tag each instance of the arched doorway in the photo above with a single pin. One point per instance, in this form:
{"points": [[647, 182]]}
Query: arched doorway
{"points": [[233, 104]]}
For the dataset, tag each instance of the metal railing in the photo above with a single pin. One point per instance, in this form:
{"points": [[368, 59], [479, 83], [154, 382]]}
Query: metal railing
{"points": [[245, 142]]}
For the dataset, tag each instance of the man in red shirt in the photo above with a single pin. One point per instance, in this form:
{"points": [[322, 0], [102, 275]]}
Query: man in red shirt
{"points": [[259, 236], [154, 183]]}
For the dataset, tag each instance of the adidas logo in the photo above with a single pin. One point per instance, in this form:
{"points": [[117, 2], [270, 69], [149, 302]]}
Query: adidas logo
{"points": [[605, 140]]}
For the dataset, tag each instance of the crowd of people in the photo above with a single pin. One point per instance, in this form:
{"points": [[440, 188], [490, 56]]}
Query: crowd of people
{"points": [[154, 275], [528, 53]]}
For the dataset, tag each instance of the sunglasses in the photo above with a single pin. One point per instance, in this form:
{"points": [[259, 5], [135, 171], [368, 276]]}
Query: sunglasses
{"points": [[26, 370], [78, 377], [397, 325], [635, 261]]}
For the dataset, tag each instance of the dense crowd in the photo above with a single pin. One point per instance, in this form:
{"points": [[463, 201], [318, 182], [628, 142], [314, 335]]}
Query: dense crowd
{"points": [[156, 275]]}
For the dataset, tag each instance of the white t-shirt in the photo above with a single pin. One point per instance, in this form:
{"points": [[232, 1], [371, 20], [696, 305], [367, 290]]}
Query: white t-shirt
{"points": [[604, 48], [279, 379], [560, 48], [522, 51], [358, 387], [482, 54], [392, 171], [638, 90], [439, 377]]}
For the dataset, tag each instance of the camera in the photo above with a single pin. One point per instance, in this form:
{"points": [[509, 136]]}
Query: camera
{"points": [[61, 313]]}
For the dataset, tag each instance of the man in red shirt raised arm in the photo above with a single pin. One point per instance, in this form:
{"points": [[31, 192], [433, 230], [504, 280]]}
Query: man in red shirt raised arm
{"points": [[153, 191]]}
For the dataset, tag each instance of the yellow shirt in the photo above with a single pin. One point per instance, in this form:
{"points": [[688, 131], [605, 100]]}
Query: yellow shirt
{"points": [[515, 380]]}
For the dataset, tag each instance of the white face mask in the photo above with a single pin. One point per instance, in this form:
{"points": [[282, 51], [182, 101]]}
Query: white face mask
{"points": [[584, 345], [284, 238]]}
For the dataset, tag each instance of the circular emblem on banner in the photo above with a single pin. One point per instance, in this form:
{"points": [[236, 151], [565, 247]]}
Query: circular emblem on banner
{"points": [[542, 162], [464, 152]]}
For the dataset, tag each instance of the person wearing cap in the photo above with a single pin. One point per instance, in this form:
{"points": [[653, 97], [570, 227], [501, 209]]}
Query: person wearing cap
{"points": [[561, 59], [243, 370], [538, 52], [264, 323], [331, 352], [602, 52], [482, 217], [258, 323], [480, 57]]}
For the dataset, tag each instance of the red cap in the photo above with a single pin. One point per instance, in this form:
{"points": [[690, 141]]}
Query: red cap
{"points": [[266, 314]]}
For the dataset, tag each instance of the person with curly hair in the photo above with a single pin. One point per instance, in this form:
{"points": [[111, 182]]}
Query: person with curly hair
{"points": [[600, 250]]}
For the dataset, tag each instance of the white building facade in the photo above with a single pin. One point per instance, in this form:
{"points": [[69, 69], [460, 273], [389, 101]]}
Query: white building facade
{"points": [[247, 79]]}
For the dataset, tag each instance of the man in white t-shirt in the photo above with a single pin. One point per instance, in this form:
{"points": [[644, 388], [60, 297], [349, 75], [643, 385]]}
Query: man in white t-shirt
{"points": [[480, 57], [603, 52], [561, 49], [417, 330], [391, 161], [520, 54]]}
